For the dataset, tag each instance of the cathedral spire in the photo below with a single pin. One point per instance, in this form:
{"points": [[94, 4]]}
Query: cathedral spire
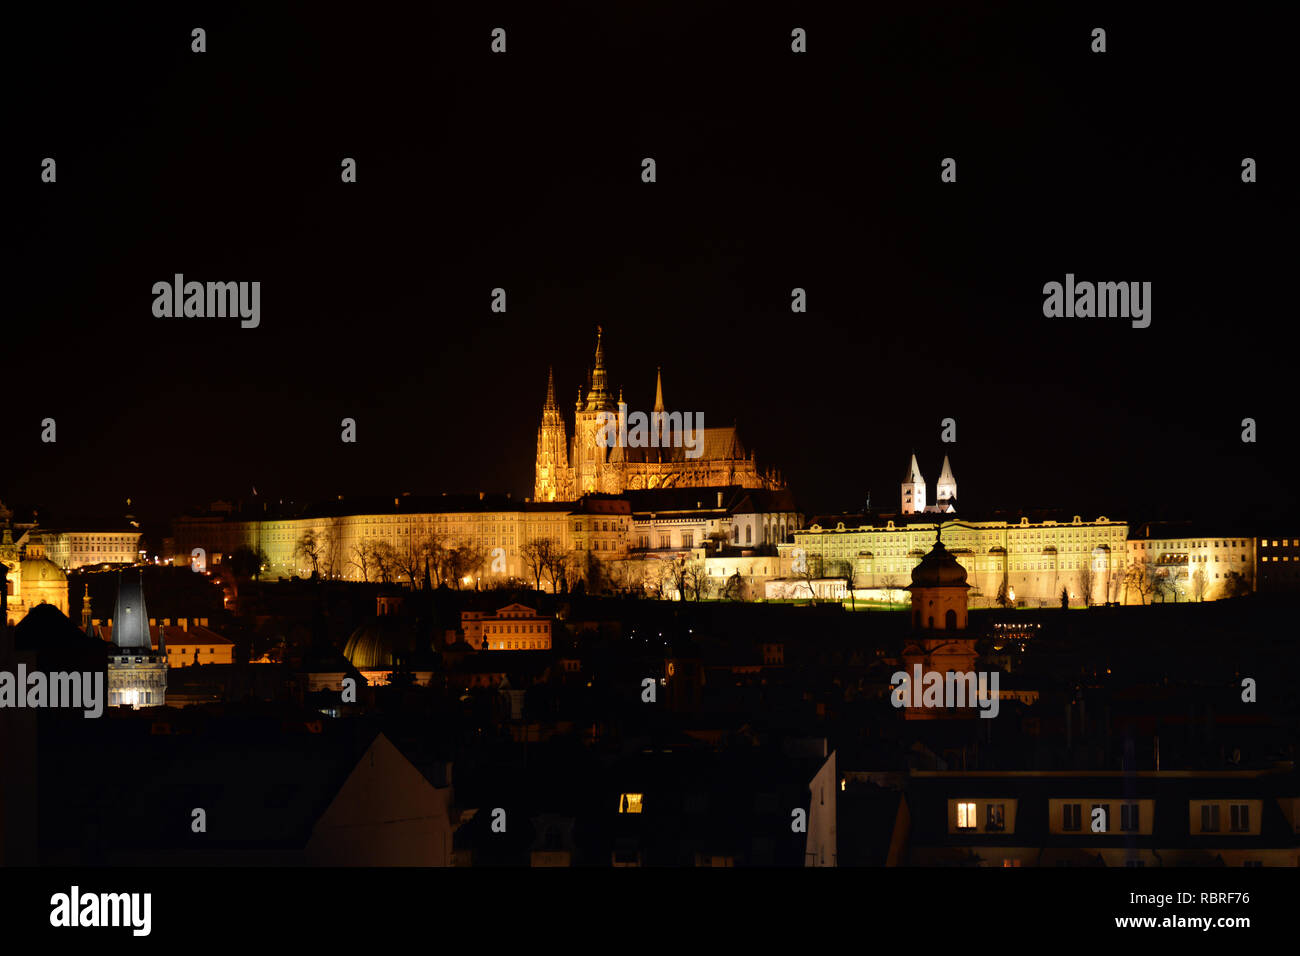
{"points": [[598, 396], [550, 390], [946, 489], [598, 373], [659, 389], [914, 470]]}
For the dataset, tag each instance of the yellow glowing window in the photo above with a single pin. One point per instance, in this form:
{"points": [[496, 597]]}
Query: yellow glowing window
{"points": [[630, 803], [965, 816]]}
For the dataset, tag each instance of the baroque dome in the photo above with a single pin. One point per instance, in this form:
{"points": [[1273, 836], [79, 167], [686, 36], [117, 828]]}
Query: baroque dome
{"points": [[41, 570], [939, 569], [379, 642]]}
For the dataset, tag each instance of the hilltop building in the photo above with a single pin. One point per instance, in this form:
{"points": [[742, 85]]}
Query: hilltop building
{"points": [[568, 469]]}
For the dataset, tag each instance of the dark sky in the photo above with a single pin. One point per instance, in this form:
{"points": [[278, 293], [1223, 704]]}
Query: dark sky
{"points": [[774, 171]]}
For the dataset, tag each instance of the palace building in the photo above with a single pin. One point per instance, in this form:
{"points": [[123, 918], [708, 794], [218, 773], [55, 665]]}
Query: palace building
{"points": [[568, 469]]}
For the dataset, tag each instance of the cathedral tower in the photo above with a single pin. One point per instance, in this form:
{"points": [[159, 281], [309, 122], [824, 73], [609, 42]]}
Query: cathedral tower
{"points": [[590, 420], [552, 469], [913, 490], [945, 489]]}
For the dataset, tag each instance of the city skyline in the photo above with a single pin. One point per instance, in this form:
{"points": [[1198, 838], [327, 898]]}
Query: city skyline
{"points": [[593, 435]]}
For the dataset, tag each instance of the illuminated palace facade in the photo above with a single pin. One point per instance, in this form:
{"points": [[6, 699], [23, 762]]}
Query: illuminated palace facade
{"points": [[1034, 559], [566, 470], [1030, 562], [1024, 561], [404, 523], [647, 526]]}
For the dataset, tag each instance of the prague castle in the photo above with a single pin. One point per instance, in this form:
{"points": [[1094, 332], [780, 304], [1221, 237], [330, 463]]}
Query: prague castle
{"points": [[568, 469]]}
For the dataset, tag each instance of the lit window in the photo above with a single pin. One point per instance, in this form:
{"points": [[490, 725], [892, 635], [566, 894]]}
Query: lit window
{"points": [[965, 816], [630, 803]]}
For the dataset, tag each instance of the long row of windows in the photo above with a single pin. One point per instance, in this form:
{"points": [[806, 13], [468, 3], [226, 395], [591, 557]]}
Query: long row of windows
{"points": [[1073, 820]]}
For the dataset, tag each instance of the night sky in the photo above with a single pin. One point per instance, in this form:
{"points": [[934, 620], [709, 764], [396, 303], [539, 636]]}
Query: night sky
{"points": [[775, 170]]}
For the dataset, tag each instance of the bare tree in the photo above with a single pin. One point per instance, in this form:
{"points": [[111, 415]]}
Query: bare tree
{"points": [[625, 575], [675, 579], [889, 584], [1141, 577], [536, 553], [1167, 584], [417, 556], [658, 578], [695, 577], [332, 554], [844, 569], [807, 571], [384, 558], [310, 548], [462, 562], [1200, 583], [360, 558], [557, 567], [1087, 581]]}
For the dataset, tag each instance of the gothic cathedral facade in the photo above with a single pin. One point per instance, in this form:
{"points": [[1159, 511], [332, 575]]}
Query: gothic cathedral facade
{"points": [[566, 470]]}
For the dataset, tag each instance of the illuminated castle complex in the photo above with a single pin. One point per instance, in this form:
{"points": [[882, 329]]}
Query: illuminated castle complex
{"points": [[566, 470]]}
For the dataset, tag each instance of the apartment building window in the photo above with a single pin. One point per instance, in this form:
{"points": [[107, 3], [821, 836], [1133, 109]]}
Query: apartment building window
{"points": [[688, 539], [1240, 817], [965, 816], [1072, 816], [1128, 817], [995, 817], [1210, 818]]}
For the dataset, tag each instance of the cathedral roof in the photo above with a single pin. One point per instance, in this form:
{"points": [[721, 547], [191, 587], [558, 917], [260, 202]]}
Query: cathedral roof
{"points": [[717, 444]]}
